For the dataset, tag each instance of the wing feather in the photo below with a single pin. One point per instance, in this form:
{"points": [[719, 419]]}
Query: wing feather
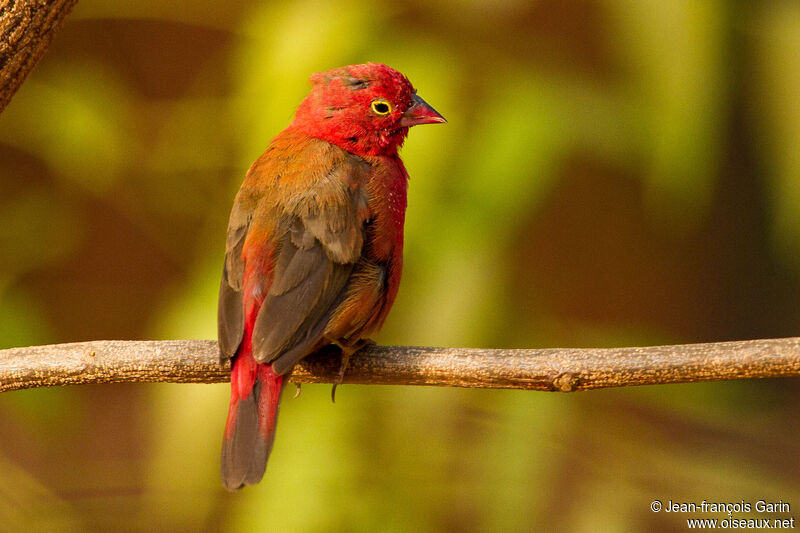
{"points": [[230, 313]]}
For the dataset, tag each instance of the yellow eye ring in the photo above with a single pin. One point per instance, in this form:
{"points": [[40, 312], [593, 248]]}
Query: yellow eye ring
{"points": [[381, 107]]}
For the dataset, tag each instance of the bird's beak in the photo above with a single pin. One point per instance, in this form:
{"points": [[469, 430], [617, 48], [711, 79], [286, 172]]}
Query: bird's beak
{"points": [[420, 113]]}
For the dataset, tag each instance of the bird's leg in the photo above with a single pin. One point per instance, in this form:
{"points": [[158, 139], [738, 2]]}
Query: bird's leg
{"points": [[297, 390], [347, 351]]}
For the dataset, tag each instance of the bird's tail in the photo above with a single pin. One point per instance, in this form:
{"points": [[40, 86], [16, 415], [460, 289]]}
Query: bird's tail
{"points": [[250, 429]]}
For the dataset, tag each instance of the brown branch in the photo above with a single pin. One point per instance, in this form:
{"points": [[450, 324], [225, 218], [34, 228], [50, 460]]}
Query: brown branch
{"points": [[555, 369], [26, 29]]}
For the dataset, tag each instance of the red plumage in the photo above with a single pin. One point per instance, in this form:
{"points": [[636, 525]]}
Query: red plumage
{"points": [[314, 249]]}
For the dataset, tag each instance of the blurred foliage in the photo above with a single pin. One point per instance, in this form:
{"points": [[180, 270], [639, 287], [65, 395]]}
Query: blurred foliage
{"points": [[614, 172]]}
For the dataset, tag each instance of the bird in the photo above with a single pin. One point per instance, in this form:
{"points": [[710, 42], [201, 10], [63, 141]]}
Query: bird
{"points": [[314, 248]]}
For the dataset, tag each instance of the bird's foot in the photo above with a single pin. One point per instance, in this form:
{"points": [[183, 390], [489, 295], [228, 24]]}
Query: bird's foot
{"points": [[347, 351]]}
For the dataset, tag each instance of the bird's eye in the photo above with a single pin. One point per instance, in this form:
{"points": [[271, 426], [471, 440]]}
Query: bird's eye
{"points": [[381, 107]]}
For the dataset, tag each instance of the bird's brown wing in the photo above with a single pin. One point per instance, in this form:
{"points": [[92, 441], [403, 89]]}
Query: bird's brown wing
{"points": [[319, 238], [313, 266]]}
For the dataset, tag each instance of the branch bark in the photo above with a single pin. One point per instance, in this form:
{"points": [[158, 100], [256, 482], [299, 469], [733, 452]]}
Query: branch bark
{"points": [[553, 369], [26, 29]]}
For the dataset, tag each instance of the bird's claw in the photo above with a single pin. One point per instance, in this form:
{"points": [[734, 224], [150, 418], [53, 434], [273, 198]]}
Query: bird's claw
{"points": [[347, 351], [340, 377]]}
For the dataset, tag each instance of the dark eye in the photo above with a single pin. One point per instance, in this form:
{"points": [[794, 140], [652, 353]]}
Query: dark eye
{"points": [[381, 107]]}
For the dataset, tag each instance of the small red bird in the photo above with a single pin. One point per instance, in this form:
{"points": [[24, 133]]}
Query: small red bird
{"points": [[315, 246]]}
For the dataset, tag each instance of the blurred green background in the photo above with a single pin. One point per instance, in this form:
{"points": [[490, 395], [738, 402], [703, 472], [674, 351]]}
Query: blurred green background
{"points": [[614, 172]]}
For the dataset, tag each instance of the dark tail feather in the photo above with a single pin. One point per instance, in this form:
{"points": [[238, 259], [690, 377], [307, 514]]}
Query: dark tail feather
{"points": [[250, 429]]}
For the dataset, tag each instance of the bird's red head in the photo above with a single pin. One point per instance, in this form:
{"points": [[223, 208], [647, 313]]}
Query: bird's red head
{"points": [[366, 109]]}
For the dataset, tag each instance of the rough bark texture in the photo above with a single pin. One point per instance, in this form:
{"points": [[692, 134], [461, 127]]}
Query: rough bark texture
{"points": [[26, 29], [555, 369]]}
